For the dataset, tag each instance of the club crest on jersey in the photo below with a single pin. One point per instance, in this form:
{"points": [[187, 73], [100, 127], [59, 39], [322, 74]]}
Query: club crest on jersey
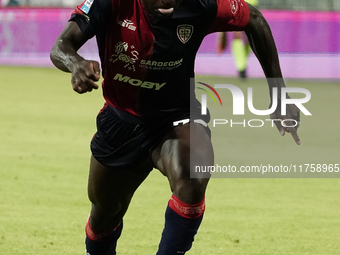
{"points": [[126, 54], [184, 32], [85, 7]]}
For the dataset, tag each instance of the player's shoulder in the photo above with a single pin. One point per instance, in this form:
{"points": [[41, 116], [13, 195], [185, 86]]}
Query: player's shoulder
{"points": [[95, 6]]}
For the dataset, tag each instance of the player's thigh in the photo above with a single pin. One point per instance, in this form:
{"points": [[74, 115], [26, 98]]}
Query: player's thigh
{"points": [[177, 156], [111, 189]]}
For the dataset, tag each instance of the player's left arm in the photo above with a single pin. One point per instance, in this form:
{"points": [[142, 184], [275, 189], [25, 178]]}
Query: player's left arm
{"points": [[263, 45]]}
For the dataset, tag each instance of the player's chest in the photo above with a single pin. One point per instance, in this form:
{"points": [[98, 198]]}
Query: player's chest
{"points": [[134, 41]]}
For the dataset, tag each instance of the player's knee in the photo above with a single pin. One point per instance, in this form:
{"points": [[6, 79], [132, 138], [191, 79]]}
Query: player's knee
{"points": [[107, 210], [190, 191], [106, 206], [101, 205], [185, 183], [105, 218]]}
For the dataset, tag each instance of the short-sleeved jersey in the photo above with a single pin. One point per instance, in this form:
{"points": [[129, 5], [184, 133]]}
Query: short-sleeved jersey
{"points": [[147, 63]]}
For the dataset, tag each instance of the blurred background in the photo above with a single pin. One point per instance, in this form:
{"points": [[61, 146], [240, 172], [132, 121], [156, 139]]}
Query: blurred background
{"points": [[326, 5], [45, 129], [307, 34]]}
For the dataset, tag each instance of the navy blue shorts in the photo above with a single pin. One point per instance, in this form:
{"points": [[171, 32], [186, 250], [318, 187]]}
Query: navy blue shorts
{"points": [[125, 142]]}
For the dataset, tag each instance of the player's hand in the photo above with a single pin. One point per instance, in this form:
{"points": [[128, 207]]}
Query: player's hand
{"points": [[85, 75], [290, 126]]}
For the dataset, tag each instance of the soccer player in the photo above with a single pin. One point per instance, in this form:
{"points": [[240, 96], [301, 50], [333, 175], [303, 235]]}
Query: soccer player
{"points": [[240, 47], [147, 50]]}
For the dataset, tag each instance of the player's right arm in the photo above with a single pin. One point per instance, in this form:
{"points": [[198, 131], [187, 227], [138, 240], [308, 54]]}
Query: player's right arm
{"points": [[65, 57], [263, 45], [240, 16]]}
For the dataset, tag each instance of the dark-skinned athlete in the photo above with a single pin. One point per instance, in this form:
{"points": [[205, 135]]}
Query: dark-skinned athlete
{"points": [[147, 50]]}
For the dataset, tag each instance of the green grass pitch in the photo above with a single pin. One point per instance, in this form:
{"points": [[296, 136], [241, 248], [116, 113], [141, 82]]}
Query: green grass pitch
{"points": [[45, 129]]}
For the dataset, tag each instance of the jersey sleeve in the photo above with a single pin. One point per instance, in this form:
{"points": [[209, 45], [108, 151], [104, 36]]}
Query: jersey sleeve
{"points": [[232, 15], [92, 16]]}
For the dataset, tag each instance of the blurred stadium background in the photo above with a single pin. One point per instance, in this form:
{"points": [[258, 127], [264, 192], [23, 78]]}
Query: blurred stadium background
{"points": [[326, 5], [307, 33], [45, 130]]}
